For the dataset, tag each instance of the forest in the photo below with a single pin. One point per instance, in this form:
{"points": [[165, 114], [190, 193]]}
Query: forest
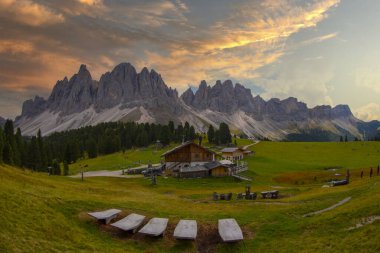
{"points": [[48, 153]]}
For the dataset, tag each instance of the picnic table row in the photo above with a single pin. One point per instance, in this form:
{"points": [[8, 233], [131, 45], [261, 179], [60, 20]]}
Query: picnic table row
{"points": [[249, 195], [229, 229]]}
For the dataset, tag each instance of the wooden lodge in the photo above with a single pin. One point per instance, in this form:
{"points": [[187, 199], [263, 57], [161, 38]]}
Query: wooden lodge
{"points": [[190, 160], [186, 155]]}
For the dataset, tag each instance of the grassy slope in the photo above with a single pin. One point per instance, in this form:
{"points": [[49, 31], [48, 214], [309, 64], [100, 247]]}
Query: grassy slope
{"points": [[47, 214]]}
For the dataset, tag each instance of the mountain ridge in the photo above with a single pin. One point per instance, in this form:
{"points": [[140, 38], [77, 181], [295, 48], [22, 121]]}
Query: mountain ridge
{"points": [[123, 94]]}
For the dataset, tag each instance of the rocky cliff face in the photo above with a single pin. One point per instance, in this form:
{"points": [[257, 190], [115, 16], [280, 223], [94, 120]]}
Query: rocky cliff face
{"points": [[126, 95], [227, 98]]}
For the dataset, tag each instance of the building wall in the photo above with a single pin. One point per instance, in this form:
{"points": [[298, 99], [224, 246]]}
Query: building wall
{"points": [[195, 174], [233, 156], [190, 153], [220, 171]]}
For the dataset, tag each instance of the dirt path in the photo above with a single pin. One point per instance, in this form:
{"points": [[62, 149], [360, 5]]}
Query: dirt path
{"points": [[109, 173], [329, 208], [365, 221], [250, 145]]}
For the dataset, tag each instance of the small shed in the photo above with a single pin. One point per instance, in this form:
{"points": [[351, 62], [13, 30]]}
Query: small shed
{"points": [[217, 169]]}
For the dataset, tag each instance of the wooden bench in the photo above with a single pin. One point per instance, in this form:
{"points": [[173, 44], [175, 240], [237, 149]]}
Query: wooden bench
{"points": [[155, 227], [131, 222], [229, 230], [186, 229], [106, 215]]}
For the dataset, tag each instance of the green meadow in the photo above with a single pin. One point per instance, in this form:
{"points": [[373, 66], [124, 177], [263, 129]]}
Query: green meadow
{"points": [[41, 213]]}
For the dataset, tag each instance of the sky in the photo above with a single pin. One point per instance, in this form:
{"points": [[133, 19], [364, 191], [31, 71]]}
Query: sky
{"points": [[320, 51]]}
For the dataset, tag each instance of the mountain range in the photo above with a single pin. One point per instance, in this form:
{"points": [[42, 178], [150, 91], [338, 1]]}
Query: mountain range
{"points": [[126, 95]]}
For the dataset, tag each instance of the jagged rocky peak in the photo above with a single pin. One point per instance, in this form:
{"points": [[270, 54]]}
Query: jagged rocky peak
{"points": [[321, 112], [33, 107], [341, 111], [188, 96], [222, 97]]}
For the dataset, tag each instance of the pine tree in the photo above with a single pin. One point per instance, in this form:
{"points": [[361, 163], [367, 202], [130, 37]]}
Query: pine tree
{"points": [[67, 156], [179, 133], [225, 135], [217, 137], [10, 140], [43, 164], [142, 139], [8, 154], [65, 169], [165, 135], [192, 133], [56, 168], [92, 148], [1, 144], [20, 146], [211, 134], [186, 130]]}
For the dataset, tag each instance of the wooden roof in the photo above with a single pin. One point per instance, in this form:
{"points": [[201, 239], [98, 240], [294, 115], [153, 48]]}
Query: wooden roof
{"points": [[185, 145]]}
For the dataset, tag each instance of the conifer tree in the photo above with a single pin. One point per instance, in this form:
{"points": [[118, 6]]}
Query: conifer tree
{"points": [[20, 146], [92, 148], [8, 154], [10, 140], [210, 134], [65, 169], [192, 133], [225, 134], [165, 135], [1, 144]]}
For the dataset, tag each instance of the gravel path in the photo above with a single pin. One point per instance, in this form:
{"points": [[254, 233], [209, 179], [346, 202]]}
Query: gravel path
{"points": [[109, 173]]}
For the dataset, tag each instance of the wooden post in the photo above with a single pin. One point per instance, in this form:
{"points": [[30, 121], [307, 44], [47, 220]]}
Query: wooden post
{"points": [[82, 175]]}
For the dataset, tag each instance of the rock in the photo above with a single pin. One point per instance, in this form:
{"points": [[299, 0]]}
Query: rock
{"points": [[188, 97], [123, 94], [33, 107]]}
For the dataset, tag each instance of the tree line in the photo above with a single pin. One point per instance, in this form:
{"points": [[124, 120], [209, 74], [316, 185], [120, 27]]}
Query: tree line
{"points": [[47, 153], [219, 136]]}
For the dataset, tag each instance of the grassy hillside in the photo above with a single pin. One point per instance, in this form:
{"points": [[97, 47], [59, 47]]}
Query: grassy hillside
{"points": [[48, 214]]}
